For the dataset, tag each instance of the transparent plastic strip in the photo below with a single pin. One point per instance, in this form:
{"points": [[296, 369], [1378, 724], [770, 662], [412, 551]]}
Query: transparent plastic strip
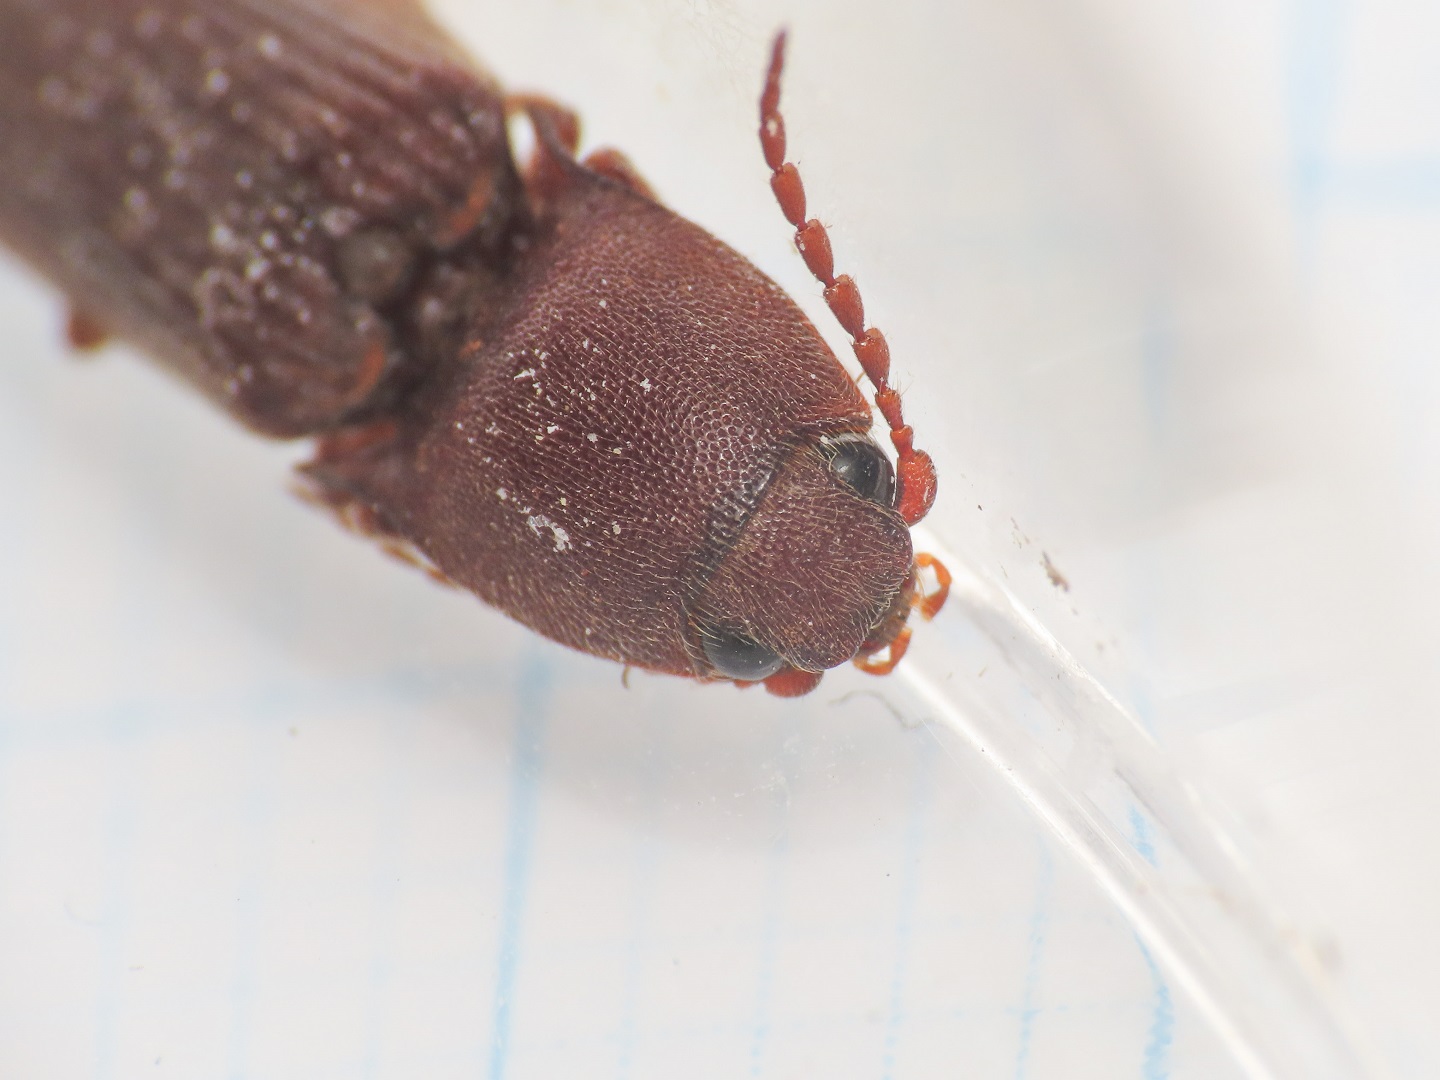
{"points": [[1202, 910]]}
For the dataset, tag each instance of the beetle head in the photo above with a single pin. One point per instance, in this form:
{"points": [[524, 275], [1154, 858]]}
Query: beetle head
{"points": [[818, 566]]}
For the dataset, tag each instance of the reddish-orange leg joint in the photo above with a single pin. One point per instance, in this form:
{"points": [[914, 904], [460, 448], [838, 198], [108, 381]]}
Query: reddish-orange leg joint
{"points": [[614, 164], [792, 682], [929, 604], [892, 654], [916, 470], [84, 332]]}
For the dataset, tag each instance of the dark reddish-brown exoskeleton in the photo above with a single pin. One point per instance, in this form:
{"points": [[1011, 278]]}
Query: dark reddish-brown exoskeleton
{"points": [[536, 380]]}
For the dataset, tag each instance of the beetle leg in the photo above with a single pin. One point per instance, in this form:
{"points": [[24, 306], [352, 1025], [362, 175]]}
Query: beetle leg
{"points": [[557, 136], [894, 652], [792, 682], [930, 603], [462, 221], [563, 124], [83, 331], [614, 165], [322, 483]]}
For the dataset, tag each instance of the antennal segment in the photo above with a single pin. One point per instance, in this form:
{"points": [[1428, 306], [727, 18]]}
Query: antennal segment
{"points": [[915, 470]]}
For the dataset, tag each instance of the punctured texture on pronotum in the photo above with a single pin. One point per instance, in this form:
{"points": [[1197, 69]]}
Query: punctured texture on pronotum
{"points": [[531, 378]]}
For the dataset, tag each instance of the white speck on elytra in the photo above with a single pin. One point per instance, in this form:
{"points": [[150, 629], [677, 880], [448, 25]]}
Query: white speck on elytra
{"points": [[617, 450], [615, 528], [561, 537], [528, 373], [502, 494], [604, 303], [645, 385], [550, 429], [593, 437]]}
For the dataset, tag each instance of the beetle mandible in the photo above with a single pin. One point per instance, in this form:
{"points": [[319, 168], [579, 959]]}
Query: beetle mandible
{"points": [[530, 377]]}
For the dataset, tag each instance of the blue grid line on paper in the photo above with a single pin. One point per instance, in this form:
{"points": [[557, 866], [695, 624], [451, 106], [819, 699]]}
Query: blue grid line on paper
{"points": [[532, 693], [1156, 1064], [1317, 42], [270, 701], [1039, 928], [389, 827], [1399, 185]]}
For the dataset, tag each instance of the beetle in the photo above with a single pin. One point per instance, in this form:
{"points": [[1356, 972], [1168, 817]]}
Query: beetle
{"points": [[529, 377]]}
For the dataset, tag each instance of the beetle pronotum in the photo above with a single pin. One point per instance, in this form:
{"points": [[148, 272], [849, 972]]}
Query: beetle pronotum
{"points": [[530, 377]]}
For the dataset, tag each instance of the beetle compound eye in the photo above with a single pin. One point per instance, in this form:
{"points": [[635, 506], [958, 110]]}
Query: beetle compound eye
{"points": [[860, 466], [737, 656]]}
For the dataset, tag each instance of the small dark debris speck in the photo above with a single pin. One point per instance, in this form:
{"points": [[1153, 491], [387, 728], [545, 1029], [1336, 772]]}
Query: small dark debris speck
{"points": [[1059, 580]]}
